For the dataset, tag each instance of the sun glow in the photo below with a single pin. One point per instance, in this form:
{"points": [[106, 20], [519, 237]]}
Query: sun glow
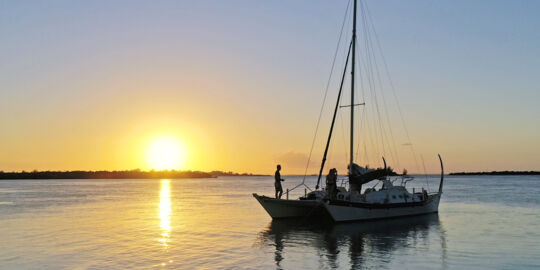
{"points": [[166, 153]]}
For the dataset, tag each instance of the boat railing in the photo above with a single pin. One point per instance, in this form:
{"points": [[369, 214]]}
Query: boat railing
{"points": [[344, 182], [297, 186]]}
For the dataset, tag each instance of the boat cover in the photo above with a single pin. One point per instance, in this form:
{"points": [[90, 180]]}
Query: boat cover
{"points": [[360, 175]]}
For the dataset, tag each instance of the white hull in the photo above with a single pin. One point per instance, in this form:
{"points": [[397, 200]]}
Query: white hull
{"points": [[340, 212], [280, 208]]}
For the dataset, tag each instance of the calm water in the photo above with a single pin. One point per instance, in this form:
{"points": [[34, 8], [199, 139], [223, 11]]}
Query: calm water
{"points": [[484, 222]]}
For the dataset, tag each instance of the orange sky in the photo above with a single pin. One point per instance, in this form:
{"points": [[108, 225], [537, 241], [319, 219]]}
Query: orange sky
{"points": [[90, 91]]}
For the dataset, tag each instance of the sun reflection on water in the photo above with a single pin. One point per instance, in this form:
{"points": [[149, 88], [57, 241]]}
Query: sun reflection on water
{"points": [[165, 210]]}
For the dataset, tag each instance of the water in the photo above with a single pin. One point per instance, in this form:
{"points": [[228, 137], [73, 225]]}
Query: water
{"points": [[485, 222]]}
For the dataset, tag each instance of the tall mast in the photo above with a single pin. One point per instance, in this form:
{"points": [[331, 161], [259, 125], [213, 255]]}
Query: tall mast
{"points": [[334, 117], [351, 150]]}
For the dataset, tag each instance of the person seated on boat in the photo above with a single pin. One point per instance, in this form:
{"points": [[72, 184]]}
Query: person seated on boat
{"points": [[331, 183], [277, 183]]}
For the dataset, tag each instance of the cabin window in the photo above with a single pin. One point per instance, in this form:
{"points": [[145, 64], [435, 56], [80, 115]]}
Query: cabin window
{"points": [[393, 196], [401, 196]]}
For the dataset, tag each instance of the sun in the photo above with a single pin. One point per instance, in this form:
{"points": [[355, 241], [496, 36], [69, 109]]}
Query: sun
{"points": [[166, 153]]}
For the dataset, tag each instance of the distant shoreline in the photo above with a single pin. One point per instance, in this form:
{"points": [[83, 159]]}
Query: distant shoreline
{"points": [[132, 174], [498, 173]]}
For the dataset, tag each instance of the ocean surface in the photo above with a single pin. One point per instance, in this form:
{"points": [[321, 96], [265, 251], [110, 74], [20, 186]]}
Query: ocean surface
{"points": [[484, 222]]}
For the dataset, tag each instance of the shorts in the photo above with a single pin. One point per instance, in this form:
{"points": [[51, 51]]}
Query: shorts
{"points": [[278, 186]]}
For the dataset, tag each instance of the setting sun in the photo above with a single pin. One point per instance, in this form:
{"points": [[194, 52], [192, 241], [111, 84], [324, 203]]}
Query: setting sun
{"points": [[166, 153]]}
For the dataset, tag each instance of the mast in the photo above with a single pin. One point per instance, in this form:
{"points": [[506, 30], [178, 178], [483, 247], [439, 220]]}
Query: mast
{"points": [[333, 118], [352, 49], [353, 42]]}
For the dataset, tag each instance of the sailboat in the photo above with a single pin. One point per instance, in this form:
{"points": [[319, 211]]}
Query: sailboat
{"points": [[392, 199]]}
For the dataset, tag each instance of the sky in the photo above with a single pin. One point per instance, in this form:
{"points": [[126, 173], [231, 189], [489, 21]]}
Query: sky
{"points": [[87, 85]]}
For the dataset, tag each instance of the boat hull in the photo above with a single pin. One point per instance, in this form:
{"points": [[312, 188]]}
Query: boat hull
{"points": [[279, 208], [341, 211]]}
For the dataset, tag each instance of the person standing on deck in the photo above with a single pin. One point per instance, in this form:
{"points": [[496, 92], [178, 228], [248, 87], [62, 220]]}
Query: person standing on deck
{"points": [[331, 183], [277, 184]]}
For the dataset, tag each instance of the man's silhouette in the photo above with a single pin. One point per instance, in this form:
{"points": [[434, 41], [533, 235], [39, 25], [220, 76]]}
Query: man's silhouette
{"points": [[277, 184]]}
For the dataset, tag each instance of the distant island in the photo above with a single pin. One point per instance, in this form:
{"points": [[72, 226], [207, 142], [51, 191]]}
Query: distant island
{"points": [[498, 173], [130, 174]]}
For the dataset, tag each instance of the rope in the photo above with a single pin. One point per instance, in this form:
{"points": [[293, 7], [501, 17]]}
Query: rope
{"points": [[344, 141], [326, 93], [393, 90], [392, 142], [370, 76]]}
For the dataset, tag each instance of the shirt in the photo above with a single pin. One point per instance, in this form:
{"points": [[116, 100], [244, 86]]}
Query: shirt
{"points": [[277, 177]]}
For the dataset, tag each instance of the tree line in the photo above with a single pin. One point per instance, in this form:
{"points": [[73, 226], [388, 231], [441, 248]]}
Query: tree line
{"points": [[127, 174], [498, 173]]}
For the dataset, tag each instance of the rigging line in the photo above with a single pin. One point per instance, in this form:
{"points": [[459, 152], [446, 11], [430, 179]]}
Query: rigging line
{"points": [[344, 128], [363, 71], [361, 120], [353, 42], [385, 141], [362, 87], [394, 93], [360, 133], [368, 127], [372, 65], [326, 90], [366, 134], [371, 80], [371, 132], [392, 143], [344, 131], [344, 141], [366, 155], [358, 120], [362, 128], [334, 116]]}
